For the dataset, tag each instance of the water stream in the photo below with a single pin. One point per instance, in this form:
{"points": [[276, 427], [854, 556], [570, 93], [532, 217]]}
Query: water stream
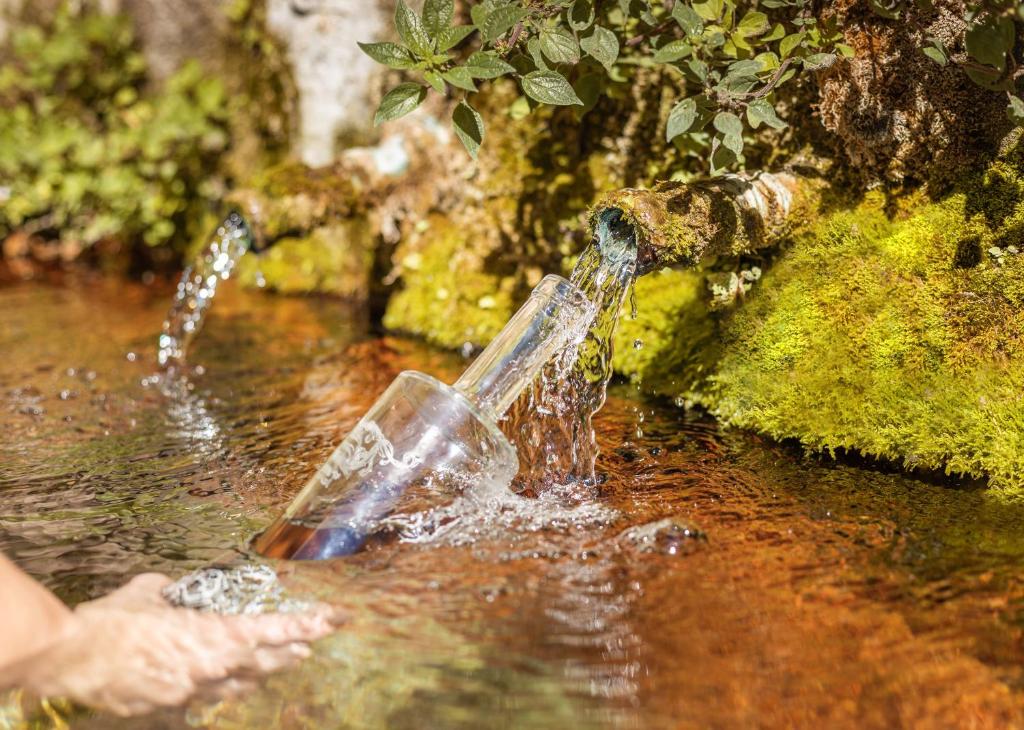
{"points": [[197, 288], [552, 424]]}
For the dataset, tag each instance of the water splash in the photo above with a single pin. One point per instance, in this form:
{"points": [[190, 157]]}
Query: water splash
{"points": [[197, 287], [551, 425]]}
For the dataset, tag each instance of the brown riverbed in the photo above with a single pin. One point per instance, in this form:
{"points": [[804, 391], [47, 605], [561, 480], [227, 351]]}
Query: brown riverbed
{"points": [[784, 591]]}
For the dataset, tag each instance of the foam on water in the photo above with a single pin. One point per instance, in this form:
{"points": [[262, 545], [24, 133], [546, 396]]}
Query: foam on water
{"points": [[490, 512]]}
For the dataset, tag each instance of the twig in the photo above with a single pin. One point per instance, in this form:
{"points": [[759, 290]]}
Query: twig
{"points": [[638, 39], [767, 88]]}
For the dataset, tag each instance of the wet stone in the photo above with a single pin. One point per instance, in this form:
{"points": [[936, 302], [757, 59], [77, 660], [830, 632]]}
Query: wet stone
{"points": [[670, 536]]}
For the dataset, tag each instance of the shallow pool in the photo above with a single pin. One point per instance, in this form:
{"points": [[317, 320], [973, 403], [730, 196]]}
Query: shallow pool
{"points": [[776, 589]]}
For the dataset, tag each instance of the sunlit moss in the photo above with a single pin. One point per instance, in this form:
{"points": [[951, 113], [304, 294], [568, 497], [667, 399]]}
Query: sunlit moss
{"points": [[898, 337]]}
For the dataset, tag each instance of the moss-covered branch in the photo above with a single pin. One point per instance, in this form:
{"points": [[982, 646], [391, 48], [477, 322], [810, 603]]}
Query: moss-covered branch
{"points": [[683, 223]]}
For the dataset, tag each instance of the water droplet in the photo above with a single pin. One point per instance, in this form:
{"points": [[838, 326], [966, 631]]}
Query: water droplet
{"points": [[638, 344], [130, 357]]}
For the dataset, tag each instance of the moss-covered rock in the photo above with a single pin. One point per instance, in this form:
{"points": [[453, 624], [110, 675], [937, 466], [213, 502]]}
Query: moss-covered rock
{"points": [[899, 337], [333, 259]]}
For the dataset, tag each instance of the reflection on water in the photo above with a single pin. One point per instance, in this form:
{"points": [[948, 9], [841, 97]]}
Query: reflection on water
{"points": [[717, 581]]}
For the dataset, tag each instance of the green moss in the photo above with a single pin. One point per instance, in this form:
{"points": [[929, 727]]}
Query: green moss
{"points": [[447, 296], [291, 200], [869, 333], [675, 331], [335, 259]]}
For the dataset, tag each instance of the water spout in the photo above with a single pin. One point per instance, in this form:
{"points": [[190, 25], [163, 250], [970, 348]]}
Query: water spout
{"points": [[683, 223]]}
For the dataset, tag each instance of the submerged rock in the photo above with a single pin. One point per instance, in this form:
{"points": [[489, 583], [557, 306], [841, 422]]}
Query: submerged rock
{"points": [[670, 536]]}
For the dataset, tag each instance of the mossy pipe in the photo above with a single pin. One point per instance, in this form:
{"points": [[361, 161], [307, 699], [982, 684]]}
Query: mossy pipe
{"points": [[681, 224]]}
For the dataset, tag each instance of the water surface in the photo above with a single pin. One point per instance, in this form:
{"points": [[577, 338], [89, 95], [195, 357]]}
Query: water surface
{"points": [[714, 580]]}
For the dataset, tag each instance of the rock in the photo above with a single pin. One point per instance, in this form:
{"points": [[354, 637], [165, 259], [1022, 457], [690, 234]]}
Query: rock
{"points": [[899, 116], [670, 536]]}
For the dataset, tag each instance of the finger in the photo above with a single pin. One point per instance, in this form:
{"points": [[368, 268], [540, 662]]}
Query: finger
{"points": [[142, 591], [266, 660], [280, 629], [230, 688]]}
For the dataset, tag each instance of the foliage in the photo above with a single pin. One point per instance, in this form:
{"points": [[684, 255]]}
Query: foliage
{"points": [[728, 56], [86, 152]]}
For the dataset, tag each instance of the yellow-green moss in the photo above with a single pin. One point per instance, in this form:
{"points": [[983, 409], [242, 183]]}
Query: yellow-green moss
{"points": [[447, 296], [671, 345], [897, 338], [335, 259]]}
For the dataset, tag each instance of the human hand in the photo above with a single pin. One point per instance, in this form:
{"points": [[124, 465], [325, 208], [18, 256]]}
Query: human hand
{"points": [[130, 652]]}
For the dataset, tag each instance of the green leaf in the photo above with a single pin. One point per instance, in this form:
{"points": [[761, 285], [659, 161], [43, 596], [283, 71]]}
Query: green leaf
{"points": [[698, 68], [501, 21], [487, 65], [459, 77], [722, 157], [434, 79], [389, 54], [581, 15], [709, 10], [687, 19], [451, 37], [733, 143], [673, 51], [469, 127], [747, 68], [935, 54], [437, 15], [411, 31], [818, 61], [753, 23], [761, 111], [533, 48], [845, 51], [990, 41], [728, 124], [559, 45], [789, 43], [550, 87], [478, 13], [778, 32], [681, 119], [602, 45], [399, 101], [890, 9], [588, 89], [1015, 110]]}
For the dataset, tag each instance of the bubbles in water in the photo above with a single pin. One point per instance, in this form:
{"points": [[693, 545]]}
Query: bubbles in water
{"points": [[244, 590], [490, 512]]}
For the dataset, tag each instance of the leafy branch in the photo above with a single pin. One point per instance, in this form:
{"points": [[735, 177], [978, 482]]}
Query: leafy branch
{"points": [[727, 57]]}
